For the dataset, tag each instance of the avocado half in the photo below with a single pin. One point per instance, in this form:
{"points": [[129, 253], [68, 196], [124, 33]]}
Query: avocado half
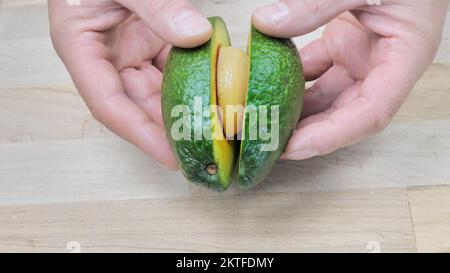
{"points": [[214, 145]]}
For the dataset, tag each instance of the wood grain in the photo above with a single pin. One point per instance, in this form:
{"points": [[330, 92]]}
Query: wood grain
{"points": [[64, 177], [21, 3], [328, 222], [22, 64], [82, 170], [43, 114], [109, 169], [430, 98], [430, 212]]}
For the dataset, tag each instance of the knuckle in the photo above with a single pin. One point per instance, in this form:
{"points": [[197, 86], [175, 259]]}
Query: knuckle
{"points": [[331, 144], [382, 119], [154, 7], [312, 6], [96, 113], [59, 36], [432, 49], [99, 111]]}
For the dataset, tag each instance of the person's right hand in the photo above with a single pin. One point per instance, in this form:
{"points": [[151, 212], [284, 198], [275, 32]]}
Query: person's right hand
{"points": [[366, 63], [115, 52]]}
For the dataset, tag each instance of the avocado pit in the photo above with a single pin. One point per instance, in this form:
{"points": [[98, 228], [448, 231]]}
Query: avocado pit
{"points": [[212, 169], [232, 83]]}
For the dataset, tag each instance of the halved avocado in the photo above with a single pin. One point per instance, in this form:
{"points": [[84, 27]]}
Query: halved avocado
{"points": [[190, 77], [268, 81], [276, 83]]}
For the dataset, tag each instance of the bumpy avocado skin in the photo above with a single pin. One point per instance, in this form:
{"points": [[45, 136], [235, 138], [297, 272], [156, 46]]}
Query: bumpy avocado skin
{"points": [[276, 78], [187, 76]]}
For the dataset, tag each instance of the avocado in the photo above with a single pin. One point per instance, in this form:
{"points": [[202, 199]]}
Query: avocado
{"points": [[276, 80], [200, 83], [190, 75]]}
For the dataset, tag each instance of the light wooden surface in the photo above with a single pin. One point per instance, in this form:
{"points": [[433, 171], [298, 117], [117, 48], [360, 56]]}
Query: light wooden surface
{"points": [[337, 221], [430, 210], [65, 178]]}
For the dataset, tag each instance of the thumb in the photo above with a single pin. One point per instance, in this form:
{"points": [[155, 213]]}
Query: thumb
{"points": [[291, 18], [176, 22]]}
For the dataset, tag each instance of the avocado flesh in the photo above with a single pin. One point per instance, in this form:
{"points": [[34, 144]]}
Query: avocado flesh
{"points": [[232, 82], [190, 75], [224, 155]]}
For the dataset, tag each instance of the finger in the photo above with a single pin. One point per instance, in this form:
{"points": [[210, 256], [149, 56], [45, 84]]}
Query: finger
{"points": [[143, 86], [291, 18], [315, 59], [344, 127], [160, 61], [105, 96], [133, 42], [370, 112], [325, 90], [176, 22], [346, 97]]}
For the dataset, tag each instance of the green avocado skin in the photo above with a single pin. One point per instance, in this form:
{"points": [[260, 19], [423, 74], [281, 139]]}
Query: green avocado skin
{"points": [[187, 76], [184, 80], [276, 78]]}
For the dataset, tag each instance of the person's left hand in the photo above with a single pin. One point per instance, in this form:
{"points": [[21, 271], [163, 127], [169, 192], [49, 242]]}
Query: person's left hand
{"points": [[366, 64]]}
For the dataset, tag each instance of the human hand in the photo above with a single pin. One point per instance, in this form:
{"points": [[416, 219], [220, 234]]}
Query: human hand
{"points": [[366, 64], [115, 52]]}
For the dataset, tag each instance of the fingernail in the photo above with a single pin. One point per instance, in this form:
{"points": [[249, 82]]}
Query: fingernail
{"points": [[273, 14], [301, 154], [190, 23]]}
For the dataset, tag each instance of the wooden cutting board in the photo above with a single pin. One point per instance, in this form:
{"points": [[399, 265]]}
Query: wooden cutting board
{"points": [[67, 181]]}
